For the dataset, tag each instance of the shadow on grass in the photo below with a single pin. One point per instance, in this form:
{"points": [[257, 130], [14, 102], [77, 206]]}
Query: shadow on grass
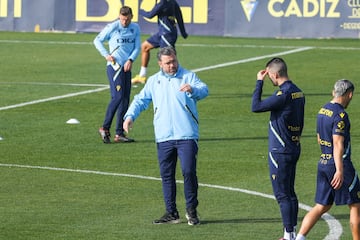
{"points": [[242, 220]]}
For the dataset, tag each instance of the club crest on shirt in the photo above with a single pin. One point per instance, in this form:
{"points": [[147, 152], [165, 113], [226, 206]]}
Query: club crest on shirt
{"points": [[118, 87], [341, 125]]}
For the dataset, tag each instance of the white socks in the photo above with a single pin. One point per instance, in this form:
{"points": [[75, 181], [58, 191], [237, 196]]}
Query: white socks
{"points": [[290, 235], [300, 237], [143, 71]]}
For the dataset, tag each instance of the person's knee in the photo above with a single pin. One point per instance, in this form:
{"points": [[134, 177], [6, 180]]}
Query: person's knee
{"points": [[189, 174], [355, 222], [146, 46], [355, 225], [321, 209], [282, 197], [355, 216]]}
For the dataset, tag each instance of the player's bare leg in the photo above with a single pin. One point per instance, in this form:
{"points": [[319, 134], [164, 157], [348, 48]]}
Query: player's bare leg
{"points": [[145, 58], [355, 220], [311, 218], [145, 53]]}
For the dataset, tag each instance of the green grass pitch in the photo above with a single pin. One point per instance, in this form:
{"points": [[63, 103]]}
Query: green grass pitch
{"points": [[59, 181]]}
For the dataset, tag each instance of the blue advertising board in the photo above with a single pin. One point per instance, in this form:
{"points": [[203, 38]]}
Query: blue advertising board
{"points": [[237, 18]]}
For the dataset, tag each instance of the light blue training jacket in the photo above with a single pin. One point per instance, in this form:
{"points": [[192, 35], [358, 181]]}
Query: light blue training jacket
{"points": [[124, 42], [175, 112]]}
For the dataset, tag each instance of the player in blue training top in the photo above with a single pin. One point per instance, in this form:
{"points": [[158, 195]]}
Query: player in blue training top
{"points": [[123, 38], [285, 128], [337, 180], [168, 13]]}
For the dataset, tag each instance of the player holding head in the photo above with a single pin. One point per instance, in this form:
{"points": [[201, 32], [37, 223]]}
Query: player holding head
{"points": [[285, 127]]}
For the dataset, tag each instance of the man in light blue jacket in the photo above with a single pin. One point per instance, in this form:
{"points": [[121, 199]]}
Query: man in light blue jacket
{"points": [[174, 92], [123, 39]]}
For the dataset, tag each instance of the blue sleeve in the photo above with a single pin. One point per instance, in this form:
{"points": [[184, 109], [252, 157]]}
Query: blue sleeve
{"points": [[140, 103], [274, 102], [180, 21], [153, 12], [99, 40], [341, 121], [199, 89], [135, 53]]}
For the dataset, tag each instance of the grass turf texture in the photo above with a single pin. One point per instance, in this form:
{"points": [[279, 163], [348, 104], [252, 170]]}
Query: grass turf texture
{"points": [[47, 204]]}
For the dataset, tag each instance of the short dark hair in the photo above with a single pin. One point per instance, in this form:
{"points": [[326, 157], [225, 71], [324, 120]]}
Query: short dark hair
{"points": [[278, 64], [167, 51], [126, 11]]}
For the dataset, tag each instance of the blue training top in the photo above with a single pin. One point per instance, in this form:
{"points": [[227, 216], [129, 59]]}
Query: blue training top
{"points": [[287, 116], [333, 120], [124, 42], [167, 11]]}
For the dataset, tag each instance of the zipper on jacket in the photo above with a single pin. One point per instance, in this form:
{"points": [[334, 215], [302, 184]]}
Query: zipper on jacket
{"points": [[193, 116]]}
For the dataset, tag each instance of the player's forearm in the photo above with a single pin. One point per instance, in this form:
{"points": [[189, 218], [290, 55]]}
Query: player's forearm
{"points": [[338, 151]]}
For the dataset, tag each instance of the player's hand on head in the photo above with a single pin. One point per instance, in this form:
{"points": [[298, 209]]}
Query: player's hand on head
{"points": [[261, 74]]}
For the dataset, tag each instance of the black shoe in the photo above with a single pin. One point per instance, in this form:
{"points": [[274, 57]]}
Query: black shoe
{"points": [[122, 139], [105, 135], [168, 218], [191, 216]]}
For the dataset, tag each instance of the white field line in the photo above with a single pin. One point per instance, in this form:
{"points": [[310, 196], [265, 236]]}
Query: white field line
{"points": [[253, 59], [53, 98], [334, 226], [58, 84], [185, 45]]}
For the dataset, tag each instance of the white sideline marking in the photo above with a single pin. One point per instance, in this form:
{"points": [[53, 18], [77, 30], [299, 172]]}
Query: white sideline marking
{"points": [[53, 98], [184, 45], [58, 84], [253, 59], [334, 225]]}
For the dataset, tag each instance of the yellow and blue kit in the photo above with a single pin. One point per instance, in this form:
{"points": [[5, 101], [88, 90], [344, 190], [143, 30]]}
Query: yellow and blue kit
{"points": [[285, 128], [169, 16], [333, 120]]}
